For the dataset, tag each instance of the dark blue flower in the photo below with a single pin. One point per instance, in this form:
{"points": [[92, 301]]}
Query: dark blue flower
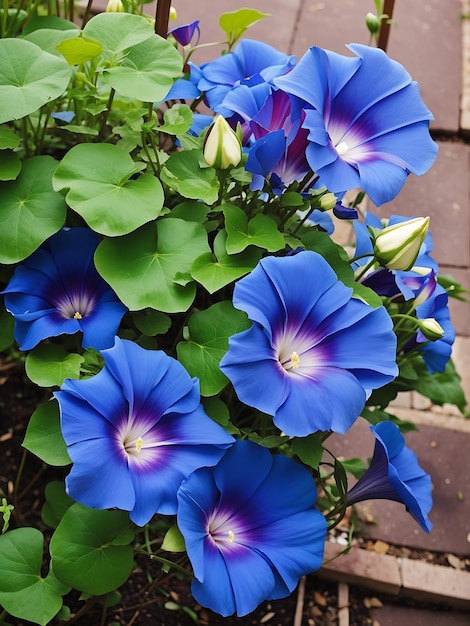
{"points": [[57, 290], [251, 63], [134, 431], [313, 353], [368, 126], [184, 34], [394, 474], [250, 527]]}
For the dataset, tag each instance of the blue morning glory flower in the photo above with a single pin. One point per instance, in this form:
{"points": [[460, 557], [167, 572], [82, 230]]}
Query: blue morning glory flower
{"points": [[184, 34], [134, 431], [251, 63], [313, 353], [394, 474], [250, 527], [368, 126], [57, 290]]}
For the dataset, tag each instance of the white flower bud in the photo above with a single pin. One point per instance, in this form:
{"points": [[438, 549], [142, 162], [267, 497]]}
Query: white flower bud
{"points": [[397, 247], [431, 329], [114, 6], [222, 147]]}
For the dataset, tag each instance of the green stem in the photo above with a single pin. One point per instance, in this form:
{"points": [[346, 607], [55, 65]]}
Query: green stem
{"points": [[105, 114], [169, 563], [365, 269]]}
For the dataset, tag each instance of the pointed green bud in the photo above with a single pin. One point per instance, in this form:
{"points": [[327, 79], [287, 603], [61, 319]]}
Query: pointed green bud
{"points": [[222, 147], [431, 329], [397, 247], [373, 23]]}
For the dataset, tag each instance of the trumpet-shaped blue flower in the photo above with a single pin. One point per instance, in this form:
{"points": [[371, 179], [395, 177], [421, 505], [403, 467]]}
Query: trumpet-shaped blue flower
{"points": [[250, 527], [251, 63], [368, 126], [313, 353], [184, 34], [394, 474], [57, 290], [134, 431]]}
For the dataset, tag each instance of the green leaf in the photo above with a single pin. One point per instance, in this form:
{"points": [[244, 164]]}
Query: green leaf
{"points": [[90, 549], [48, 365], [29, 78], [191, 211], [440, 387], [142, 267], [30, 211], [177, 120], [150, 322], [96, 178], [8, 138], [209, 332], [44, 437], [214, 271], [23, 591], [235, 23], [10, 165], [355, 466], [308, 449], [47, 22], [79, 50], [49, 39], [118, 31], [56, 504], [174, 540], [261, 231], [217, 410], [184, 172], [147, 72]]}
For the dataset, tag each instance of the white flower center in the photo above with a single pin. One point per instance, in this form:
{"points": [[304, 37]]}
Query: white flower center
{"points": [[342, 148]]}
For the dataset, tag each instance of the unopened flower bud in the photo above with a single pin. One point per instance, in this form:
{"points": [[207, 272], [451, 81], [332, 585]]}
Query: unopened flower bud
{"points": [[431, 329], [114, 6], [328, 201], [222, 148], [173, 15], [372, 23], [397, 247]]}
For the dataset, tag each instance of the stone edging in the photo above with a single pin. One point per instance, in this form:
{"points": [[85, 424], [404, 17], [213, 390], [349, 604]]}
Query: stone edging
{"points": [[392, 575]]}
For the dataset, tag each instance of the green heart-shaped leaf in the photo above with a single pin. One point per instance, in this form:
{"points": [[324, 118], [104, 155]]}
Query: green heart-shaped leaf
{"points": [[177, 120], [97, 180], [29, 78], [90, 549], [143, 267], [184, 172], [8, 138], [147, 72], [261, 231], [48, 365], [209, 332], [79, 50], [235, 23], [118, 31], [214, 271], [23, 591], [49, 39], [44, 436], [30, 210]]}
